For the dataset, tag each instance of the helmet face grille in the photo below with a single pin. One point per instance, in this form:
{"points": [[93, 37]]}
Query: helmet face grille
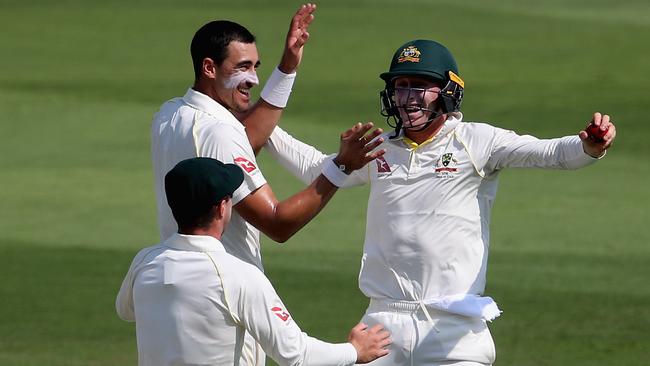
{"points": [[411, 105], [397, 109]]}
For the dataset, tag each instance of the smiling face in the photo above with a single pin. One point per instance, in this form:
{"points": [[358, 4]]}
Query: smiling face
{"points": [[236, 76], [415, 99]]}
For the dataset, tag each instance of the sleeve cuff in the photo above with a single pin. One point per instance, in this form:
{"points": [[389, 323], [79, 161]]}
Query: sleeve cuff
{"points": [[578, 157]]}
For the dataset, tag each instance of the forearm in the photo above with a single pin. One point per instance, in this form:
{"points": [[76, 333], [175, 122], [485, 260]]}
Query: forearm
{"points": [[296, 211], [300, 159], [260, 122], [280, 220], [320, 353]]}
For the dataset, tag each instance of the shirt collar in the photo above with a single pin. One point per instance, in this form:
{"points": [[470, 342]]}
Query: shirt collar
{"points": [[208, 105], [194, 243]]}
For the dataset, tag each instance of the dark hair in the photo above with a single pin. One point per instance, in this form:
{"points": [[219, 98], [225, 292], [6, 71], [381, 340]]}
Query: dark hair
{"points": [[212, 40], [198, 218]]}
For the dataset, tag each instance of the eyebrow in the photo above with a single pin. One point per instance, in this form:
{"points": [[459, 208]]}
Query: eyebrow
{"points": [[248, 63]]}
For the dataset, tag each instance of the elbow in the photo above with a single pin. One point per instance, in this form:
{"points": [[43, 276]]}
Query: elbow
{"points": [[279, 237], [280, 233], [124, 309], [127, 316]]}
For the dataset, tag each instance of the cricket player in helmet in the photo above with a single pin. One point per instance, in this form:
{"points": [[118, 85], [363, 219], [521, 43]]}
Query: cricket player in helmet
{"points": [[426, 245], [406, 101]]}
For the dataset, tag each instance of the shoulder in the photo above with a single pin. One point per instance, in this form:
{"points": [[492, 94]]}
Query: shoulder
{"points": [[245, 277], [476, 128], [168, 109], [479, 132], [147, 254]]}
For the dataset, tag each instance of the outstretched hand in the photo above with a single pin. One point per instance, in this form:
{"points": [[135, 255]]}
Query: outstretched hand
{"points": [[356, 147], [596, 146], [370, 343], [296, 38]]}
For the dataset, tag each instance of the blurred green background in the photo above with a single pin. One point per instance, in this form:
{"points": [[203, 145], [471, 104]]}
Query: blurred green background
{"points": [[80, 81]]}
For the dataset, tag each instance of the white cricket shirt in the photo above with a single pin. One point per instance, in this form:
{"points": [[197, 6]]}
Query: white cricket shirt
{"points": [[198, 126], [427, 230], [192, 302]]}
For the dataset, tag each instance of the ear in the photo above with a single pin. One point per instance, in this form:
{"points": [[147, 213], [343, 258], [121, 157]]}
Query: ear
{"points": [[223, 207], [209, 68]]}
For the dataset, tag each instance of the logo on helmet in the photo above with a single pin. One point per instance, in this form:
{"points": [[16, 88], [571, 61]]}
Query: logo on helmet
{"points": [[410, 53]]}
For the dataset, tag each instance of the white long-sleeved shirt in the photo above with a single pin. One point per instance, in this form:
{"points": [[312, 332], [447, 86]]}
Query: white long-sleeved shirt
{"points": [[191, 302], [427, 230], [198, 126]]}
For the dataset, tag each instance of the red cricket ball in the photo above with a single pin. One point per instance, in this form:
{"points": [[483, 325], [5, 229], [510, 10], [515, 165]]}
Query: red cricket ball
{"points": [[595, 133]]}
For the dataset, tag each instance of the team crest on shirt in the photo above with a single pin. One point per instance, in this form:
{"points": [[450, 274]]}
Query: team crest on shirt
{"points": [[446, 166], [382, 165], [280, 313], [245, 164], [410, 53]]}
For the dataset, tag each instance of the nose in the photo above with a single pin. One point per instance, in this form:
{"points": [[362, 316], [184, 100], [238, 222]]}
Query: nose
{"points": [[251, 79]]}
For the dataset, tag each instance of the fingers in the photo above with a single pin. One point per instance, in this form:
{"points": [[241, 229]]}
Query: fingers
{"points": [[349, 132], [370, 343], [372, 145], [599, 135], [584, 136], [378, 328], [373, 134], [361, 130], [358, 132], [382, 336], [360, 327], [601, 127], [301, 40], [596, 118], [303, 17]]}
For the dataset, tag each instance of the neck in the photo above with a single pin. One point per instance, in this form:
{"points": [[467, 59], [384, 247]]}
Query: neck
{"points": [[206, 88], [215, 231], [420, 136]]}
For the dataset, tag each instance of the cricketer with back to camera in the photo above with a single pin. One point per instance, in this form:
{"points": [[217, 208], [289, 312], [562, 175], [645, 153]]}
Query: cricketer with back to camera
{"points": [[426, 244], [192, 302]]}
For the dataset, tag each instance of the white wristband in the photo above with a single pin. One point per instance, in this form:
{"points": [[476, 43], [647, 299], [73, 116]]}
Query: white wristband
{"points": [[333, 173], [278, 88]]}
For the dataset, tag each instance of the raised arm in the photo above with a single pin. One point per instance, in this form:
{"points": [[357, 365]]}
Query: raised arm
{"points": [[265, 114], [280, 220]]}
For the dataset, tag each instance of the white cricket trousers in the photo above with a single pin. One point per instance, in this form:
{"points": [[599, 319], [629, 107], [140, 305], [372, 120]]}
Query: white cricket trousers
{"points": [[446, 339]]}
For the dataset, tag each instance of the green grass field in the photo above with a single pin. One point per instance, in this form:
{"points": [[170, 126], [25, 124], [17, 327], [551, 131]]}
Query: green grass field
{"points": [[80, 81]]}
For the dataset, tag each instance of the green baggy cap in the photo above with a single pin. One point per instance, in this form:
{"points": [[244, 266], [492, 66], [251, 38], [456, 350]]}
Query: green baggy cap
{"points": [[197, 184]]}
